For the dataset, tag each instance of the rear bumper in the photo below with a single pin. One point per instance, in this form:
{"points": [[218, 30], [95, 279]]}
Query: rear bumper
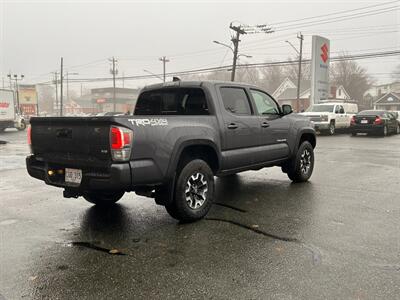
{"points": [[367, 128], [114, 177]]}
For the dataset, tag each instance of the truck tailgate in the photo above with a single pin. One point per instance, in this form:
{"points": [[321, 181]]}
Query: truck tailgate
{"points": [[84, 141]]}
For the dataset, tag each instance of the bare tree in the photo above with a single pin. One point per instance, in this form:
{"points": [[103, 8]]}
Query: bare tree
{"points": [[272, 77], [352, 76], [45, 98]]}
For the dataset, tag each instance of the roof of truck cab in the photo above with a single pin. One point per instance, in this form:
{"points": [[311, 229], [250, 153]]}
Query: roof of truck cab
{"points": [[184, 83]]}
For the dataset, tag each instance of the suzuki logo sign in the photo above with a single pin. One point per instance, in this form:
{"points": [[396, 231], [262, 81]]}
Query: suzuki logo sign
{"points": [[319, 69], [325, 52]]}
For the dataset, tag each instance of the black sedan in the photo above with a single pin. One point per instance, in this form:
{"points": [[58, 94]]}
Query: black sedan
{"points": [[379, 122]]}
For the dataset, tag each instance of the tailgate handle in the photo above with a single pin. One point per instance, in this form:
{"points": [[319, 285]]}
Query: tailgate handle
{"points": [[64, 133]]}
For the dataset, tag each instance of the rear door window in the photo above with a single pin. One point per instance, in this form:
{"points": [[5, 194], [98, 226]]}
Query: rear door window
{"points": [[172, 101]]}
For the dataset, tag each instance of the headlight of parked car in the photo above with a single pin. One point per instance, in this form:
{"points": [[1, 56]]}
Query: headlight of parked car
{"points": [[324, 118]]}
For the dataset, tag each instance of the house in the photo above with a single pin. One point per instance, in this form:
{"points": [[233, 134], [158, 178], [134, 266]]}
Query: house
{"points": [[102, 100], [286, 93], [376, 91], [389, 101]]}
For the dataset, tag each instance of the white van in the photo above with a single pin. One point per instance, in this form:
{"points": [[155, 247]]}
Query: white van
{"points": [[329, 116], [8, 115]]}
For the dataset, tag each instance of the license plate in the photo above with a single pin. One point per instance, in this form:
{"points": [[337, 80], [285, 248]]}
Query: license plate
{"points": [[364, 121], [73, 176]]}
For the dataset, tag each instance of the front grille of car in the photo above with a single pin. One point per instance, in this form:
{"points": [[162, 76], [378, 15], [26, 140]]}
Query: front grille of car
{"points": [[315, 119]]}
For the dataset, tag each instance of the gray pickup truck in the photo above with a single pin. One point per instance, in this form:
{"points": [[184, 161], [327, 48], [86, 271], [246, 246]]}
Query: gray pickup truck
{"points": [[180, 135]]}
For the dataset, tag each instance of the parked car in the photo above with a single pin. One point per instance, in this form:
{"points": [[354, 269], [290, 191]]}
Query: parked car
{"points": [[379, 122], [329, 116], [180, 136]]}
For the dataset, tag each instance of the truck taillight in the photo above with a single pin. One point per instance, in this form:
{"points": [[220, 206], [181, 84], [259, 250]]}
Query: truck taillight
{"points": [[353, 120], [120, 143], [378, 120], [29, 135]]}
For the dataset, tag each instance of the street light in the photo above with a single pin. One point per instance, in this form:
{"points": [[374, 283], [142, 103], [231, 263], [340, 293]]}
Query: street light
{"points": [[225, 45], [155, 75], [235, 56], [295, 49], [15, 77]]}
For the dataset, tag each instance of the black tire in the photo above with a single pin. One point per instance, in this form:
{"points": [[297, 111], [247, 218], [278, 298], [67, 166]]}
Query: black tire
{"points": [[385, 131], [398, 129], [332, 128], [194, 182], [296, 169], [354, 134], [23, 126], [103, 198], [2, 129]]}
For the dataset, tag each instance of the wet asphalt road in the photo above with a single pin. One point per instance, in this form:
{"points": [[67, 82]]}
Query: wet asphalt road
{"points": [[335, 237]]}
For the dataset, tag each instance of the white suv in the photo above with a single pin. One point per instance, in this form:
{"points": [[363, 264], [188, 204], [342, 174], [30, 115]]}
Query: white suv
{"points": [[329, 116]]}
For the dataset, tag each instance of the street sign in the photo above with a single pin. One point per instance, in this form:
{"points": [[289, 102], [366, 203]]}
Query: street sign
{"points": [[319, 69]]}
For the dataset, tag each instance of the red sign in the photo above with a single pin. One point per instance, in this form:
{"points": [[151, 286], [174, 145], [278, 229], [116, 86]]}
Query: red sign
{"points": [[28, 109], [4, 104], [324, 54], [101, 100]]}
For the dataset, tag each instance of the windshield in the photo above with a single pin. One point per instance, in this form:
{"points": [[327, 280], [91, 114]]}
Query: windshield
{"points": [[321, 108]]}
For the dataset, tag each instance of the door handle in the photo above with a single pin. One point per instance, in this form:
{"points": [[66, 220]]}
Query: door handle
{"points": [[232, 126], [264, 124]]}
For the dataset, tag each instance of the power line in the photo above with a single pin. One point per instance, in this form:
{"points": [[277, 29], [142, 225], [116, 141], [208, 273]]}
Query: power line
{"points": [[337, 19], [335, 13], [250, 65]]}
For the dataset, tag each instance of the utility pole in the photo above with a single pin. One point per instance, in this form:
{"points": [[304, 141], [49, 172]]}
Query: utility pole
{"points": [[164, 61], [114, 72], [235, 40], [61, 87], [301, 38], [56, 84]]}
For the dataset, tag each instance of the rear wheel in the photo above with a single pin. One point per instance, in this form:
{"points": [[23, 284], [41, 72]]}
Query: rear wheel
{"points": [[103, 198], [23, 126], [300, 168], [398, 129], [385, 131], [194, 192]]}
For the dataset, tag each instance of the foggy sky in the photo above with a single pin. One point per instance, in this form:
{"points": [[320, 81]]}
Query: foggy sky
{"points": [[33, 35]]}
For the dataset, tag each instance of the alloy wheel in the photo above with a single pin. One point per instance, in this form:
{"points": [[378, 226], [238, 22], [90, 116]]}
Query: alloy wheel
{"points": [[196, 190], [305, 161]]}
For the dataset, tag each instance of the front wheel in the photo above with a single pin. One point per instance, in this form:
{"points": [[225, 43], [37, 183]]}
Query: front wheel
{"points": [[22, 126], [300, 168], [194, 192], [398, 129], [103, 198], [332, 129]]}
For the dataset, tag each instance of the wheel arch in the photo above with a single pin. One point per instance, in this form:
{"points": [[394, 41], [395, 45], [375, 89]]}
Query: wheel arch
{"points": [[197, 148]]}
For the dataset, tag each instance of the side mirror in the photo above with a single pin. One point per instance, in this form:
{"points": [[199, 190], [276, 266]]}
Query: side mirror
{"points": [[286, 109], [341, 111]]}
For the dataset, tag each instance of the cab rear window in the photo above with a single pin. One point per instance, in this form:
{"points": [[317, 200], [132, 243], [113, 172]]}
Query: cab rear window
{"points": [[171, 101]]}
